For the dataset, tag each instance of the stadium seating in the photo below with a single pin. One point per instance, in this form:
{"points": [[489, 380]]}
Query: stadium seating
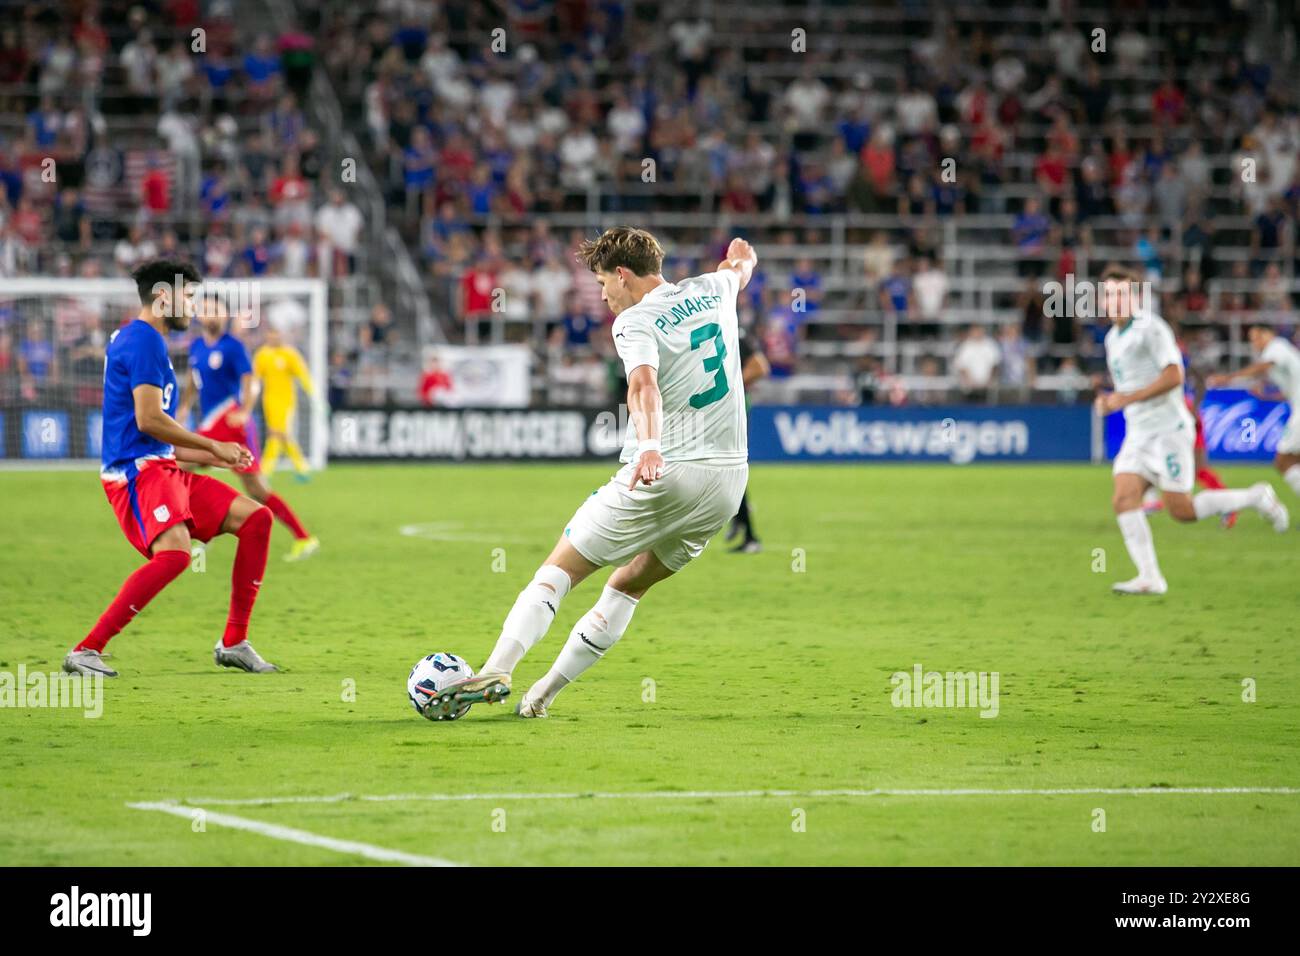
{"points": [[480, 168]]}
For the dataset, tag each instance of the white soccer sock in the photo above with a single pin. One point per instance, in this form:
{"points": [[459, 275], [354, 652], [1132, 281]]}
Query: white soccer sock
{"points": [[594, 634], [529, 619], [1135, 528], [1292, 477], [1224, 501]]}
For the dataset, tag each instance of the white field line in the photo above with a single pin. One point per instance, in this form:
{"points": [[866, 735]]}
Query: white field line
{"points": [[454, 531], [732, 795], [291, 835]]}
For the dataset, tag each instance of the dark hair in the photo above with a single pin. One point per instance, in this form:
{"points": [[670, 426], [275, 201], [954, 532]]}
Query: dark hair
{"points": [[1114, 270], [149, 275], [632, 248]]}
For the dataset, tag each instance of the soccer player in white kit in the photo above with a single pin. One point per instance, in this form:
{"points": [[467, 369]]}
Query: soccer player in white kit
{"points": [[1279, 360], [685, 461], [1146, 368]]}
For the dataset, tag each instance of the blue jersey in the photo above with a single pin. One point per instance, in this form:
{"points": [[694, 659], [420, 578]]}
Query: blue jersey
{"points": [[136, 355], [217, 371]]}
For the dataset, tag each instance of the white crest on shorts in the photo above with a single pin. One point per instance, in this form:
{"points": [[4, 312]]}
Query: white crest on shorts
{"points": [[161, 513]]}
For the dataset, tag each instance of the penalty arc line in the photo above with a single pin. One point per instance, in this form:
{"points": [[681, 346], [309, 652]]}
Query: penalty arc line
{"points": [[740, 794], [290, 834]]}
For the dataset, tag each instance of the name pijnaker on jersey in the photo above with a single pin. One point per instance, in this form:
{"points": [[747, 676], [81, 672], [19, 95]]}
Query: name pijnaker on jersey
{"points": [[685, 309]]}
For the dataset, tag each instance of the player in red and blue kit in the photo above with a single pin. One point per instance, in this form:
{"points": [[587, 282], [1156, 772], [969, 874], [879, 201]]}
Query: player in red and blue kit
{"points": [[161, 507], [222, 376]]}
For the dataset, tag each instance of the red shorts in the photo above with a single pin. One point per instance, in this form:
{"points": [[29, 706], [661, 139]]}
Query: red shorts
{"points": [[216, 427], [163, 495]]}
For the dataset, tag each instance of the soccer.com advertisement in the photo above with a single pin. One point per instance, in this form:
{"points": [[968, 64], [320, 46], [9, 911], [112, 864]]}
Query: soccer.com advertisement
{"points": [[1237, 426]]}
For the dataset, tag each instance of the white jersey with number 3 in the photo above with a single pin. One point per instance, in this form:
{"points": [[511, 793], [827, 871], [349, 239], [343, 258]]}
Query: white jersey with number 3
{"points": [[688, 331], [1136, 353]]}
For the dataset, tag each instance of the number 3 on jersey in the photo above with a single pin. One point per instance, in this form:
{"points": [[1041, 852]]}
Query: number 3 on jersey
{"points": [[712, 363]]}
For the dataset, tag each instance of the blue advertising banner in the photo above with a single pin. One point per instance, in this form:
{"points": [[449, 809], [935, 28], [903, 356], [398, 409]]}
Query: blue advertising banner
{"points": [[1238, 426], [94, 434], [955, 434], [45, 434]]}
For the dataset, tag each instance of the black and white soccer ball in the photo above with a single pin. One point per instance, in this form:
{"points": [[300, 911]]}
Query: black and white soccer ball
{"points": [[429, 678]]}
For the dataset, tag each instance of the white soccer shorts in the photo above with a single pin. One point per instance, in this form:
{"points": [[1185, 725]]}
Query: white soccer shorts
{"points": [[1289, 443], [675, 517], [1165, 459]]}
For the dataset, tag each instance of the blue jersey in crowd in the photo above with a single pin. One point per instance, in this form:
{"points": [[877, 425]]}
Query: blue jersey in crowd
{"points": [[217, 370], [136, 355]]}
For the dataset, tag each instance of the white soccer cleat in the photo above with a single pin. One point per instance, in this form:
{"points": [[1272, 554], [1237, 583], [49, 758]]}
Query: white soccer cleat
{"points": [[87, 663], [531, 707], [1271, 508], [1141, 585]]}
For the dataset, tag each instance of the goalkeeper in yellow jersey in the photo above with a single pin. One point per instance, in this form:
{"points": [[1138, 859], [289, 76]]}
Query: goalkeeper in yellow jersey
{"points": [[276, 366]]}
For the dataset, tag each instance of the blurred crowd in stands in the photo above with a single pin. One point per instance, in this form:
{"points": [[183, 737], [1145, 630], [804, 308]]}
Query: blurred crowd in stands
{"points": [[1175, 148]]}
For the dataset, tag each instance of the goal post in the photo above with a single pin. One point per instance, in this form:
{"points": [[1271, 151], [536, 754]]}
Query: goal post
{"points": [[53, 332]]}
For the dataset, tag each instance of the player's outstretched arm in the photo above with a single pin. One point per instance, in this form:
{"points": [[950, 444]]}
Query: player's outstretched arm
{"points": [[209, 460], [153, 421], [741, 259], [1254, 370], [646, 408]]}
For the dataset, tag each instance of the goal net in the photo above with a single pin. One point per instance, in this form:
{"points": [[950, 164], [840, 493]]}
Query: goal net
{"points": [[53, 332]]}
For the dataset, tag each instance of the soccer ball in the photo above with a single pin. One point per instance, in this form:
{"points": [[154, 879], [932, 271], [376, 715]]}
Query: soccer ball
{"points": [[429, 677]]}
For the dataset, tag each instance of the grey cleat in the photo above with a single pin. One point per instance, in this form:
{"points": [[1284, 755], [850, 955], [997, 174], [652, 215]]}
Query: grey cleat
{"points": [[531, 707], [87, 663], [243, 656]]}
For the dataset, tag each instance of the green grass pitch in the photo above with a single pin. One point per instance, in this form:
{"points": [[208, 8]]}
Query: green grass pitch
{"points": [[769, 673]]}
